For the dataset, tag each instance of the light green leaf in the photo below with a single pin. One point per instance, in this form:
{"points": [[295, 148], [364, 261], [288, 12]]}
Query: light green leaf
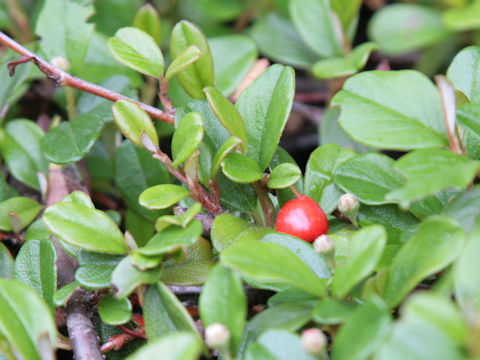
{"points": [[162, 196], [24, 208], [265, 263], [429, 171], [225, 228], [283, 345], [463, 18], [436, 244], [223, 301], [132, 121], [284, 176], [468, 115], [7, 263], [187, 138], [464, 208], [87, 228], [330, 311], [366, 248], [347, 11], [314, 22], [184, 59], [72, 140], [178, 346], [265, 107], [241, 168], [200, 74], [114, 311], [231, 143], [404, 110], [148, 20], [136, 49], [63, 294], [464, 72]]}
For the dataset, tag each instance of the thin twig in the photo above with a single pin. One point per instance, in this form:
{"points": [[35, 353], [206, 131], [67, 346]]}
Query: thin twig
{"points": [[63, 78], [267, 205]]}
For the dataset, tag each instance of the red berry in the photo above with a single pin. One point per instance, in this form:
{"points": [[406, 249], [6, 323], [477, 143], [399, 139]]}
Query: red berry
{"points": [[303, 218]]}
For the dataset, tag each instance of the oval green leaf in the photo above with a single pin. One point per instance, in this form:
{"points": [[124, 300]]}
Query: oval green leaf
{"points": [[162, 196], [24, 208], [114, 311], [184, 59], [241, 168], [187, 138], [222, 152], [178, 346], [284, 176]]}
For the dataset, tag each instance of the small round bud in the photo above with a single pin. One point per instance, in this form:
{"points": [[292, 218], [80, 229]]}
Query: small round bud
{"points": [[348, 204], [61, 63], [217, 336], [323, 244], [314, 341]]}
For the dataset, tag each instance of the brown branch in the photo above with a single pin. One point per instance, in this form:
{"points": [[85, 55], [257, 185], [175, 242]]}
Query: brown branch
{"points": [[267, 205], [63, 78]]}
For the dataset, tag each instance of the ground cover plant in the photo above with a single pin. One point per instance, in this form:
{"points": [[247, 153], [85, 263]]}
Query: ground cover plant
{"points": [[149, 208]]}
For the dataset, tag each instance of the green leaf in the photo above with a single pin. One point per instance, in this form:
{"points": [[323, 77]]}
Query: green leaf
{"points": [[303, 250], [464, 73], [24, 318], [225, 228], [200, 74], [172, 239], [20, 148], [344, 66], [135, 171], [436, 244], [24, 208], [468, 116], [63, 294], [72, 140], [193, 269], [187, 138], [178, 346], [136, 49], [233, 57], [329, 311], [284, 176], [314, 22], [13, 87], [126, 278], [87, 228], [464, 208], [114, 311], [464, 18], [148, 20], [387, 28], [227, 114], [241, 168], [132, 121], [363, 333], [162, 196], [95, 271], [184, 59], [283, 345], [223, 301], [368, 176], [68, 36], [366, 247], [7, 264], [231, 143], [319, 175], [164, 314], [404, 110], [35, 267], [347, 11], [429, 171], [277, 39], [267, 262], [265, 107], [236, 196]]}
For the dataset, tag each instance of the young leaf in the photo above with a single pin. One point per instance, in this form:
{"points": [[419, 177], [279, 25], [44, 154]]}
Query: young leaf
{"points": [[137, 50], [87, 228], [72, 140], [35, 267], [344, 66], [24, 317], [463, 71], [265, 107], [184, 59], [429, 171], [265, 263], [178, 346], [315, 17], [132, 121], [62, 295], [363, 333], [347, 11], [126, 278], [436, 244], [222, 152], [241, 168], [227, 114], [148, 20], [223, 301], [368, 176], [164, 314], [366, 247], [24, 208], [20, 148], [404, 110], [187, 138], [319, 175], [114, 311], [162, 196], [387, 28], [200, 74], [283, 176]]}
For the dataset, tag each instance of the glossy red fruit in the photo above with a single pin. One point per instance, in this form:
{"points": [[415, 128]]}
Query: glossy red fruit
{"points": [[303, 218]]}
